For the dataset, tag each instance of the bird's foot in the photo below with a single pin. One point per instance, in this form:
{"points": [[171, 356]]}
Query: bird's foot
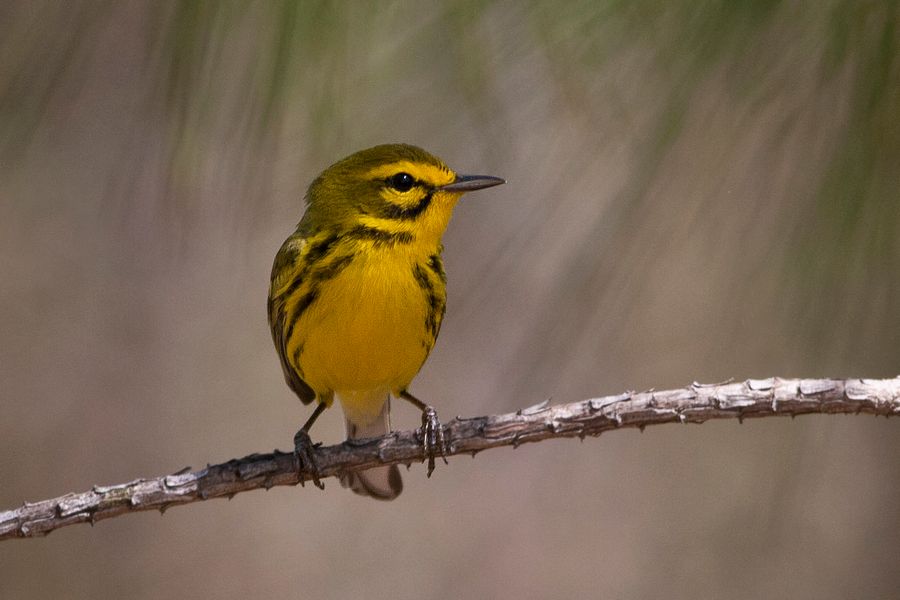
{"points": [[305, 455], [432, 435]]}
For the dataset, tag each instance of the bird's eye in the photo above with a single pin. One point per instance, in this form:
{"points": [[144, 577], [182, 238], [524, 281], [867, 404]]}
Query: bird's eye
{"points": [[402, 182]]}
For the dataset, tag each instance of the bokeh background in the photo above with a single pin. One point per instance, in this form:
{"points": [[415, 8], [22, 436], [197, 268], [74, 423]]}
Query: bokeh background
{"points": [[698, 190]]}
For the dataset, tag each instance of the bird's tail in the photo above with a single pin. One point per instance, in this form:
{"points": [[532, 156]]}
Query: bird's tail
{"points": [[382, 483]]}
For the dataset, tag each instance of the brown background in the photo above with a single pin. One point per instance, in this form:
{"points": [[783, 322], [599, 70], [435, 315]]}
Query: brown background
{"points": [[696, 192]]}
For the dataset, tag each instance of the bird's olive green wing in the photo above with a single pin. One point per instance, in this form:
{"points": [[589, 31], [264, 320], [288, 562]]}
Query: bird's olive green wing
{"points": [[282, 270], [294, 381]]}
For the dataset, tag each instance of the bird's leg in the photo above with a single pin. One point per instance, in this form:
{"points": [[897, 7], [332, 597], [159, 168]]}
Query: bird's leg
{"points": [[432, 431], [305, 450]]}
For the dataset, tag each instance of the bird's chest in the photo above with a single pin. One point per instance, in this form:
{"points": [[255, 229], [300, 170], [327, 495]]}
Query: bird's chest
{"points": [[368, 328], [376, 298]]}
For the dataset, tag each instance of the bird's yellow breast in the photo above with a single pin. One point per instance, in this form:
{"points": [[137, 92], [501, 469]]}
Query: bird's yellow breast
{"points": [[367, 330]]}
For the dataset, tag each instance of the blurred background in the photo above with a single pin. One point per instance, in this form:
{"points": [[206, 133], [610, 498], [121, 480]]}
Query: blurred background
{"points": [[696, 191]]}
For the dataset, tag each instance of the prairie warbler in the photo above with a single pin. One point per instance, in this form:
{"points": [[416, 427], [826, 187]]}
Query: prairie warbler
{"points": [[358, 294]]}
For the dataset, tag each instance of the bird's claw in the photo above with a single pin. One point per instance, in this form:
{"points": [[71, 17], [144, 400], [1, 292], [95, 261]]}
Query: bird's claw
{"points": [[432, 434], [305, 455]]}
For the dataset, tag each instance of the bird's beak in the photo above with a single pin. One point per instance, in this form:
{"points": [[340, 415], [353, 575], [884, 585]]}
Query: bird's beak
{"points": [[469, 183]]}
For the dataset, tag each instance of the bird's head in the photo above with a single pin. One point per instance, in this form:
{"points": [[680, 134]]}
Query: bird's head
{"points": [[393, 188]]}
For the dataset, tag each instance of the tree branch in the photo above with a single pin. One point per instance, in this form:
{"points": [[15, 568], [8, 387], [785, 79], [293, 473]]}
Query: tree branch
{"points": [[695, 404]]}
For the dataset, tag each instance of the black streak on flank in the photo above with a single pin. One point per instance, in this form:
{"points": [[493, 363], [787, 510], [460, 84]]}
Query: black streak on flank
{"points": [[392, 211], [319, 250], [331, 270], [327, 272], [315, 253], [302, 304], [435, 306], [437, 267], [361, 232]]}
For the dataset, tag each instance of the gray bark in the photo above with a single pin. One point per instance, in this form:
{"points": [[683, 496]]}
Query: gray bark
{"points": [[696, 403]]}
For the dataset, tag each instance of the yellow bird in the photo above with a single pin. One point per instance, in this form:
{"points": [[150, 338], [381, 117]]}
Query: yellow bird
{"points": [[358, 294]]}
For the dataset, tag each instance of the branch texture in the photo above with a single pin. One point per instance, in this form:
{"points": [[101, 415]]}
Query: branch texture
{"points": [[695, 404]]}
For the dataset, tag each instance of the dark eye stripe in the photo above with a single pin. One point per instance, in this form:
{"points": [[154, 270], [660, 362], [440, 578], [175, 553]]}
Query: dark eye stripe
{"points": [[400, 213]]}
